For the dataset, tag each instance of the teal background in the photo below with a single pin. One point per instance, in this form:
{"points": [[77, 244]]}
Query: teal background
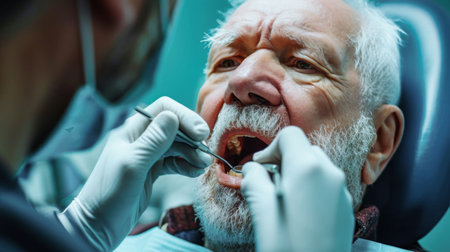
{"points": [[445, 4], [180, 74], [180, 71]]}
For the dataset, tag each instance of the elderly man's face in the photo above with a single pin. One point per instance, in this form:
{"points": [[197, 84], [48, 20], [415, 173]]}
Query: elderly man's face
{"points": [[291, 55], [276, 63]]}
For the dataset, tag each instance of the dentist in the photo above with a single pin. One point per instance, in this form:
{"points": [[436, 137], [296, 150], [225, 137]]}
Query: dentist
{"points": [[48, 49]]}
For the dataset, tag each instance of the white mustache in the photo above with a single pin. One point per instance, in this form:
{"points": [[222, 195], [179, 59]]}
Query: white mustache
{"points": [[260, 119]]}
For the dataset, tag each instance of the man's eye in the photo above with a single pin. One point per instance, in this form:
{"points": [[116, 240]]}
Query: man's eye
{"points": [[300, 64], [304, 66], [227, 64]]}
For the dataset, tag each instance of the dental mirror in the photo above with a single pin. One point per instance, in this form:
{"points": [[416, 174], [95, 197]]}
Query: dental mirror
{"points": [[272, 168]]}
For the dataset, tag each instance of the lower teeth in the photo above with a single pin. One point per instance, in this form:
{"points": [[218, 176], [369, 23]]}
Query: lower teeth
{"points": [[234, 174]]}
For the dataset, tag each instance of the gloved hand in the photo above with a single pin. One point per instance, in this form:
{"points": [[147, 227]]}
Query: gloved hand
{"points": [[315, 212], [119, 188]]}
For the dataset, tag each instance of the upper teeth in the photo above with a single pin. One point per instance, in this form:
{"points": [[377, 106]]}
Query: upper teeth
{"points": [[234, 144]]}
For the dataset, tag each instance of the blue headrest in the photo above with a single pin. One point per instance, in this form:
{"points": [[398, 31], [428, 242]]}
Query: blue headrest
{"points": [[413, 192]]}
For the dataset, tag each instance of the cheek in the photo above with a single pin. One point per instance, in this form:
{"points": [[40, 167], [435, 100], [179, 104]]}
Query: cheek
{"points": [[209, 103], [308, 107], [204, 91]]}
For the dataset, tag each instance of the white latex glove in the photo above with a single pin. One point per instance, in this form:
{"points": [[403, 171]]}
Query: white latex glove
{"points": [[119, 188], [315, 213]]}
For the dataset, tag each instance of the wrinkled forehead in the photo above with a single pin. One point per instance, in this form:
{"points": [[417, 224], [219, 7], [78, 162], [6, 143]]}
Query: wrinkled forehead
{"points": [[332, 18]]}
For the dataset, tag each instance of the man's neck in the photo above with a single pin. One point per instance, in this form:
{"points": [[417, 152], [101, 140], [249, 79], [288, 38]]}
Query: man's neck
{"points": [[182, 219], [182, 222]]}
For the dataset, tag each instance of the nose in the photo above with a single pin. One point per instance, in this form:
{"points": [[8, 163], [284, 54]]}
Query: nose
{"points": [[256, 80]]}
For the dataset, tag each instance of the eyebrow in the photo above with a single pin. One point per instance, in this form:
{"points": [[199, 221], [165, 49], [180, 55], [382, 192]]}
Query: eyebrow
{"points": [[324, 51], [221, 37]]}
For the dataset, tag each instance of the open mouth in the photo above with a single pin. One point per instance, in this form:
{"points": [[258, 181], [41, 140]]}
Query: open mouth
{"points": [[237, 148], [240, 149]]}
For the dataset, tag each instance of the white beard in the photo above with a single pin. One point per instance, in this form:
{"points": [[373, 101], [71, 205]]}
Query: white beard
{"points": [[223, 212], [348, 149]]}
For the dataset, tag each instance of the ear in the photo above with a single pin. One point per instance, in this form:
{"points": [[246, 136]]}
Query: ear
{"points": [[118, 13], [388, 122]]}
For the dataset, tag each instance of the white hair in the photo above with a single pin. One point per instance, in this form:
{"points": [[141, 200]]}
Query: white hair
{"points": [[377, 56]]}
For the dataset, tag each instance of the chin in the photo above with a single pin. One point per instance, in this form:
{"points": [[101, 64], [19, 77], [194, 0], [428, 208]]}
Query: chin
{"points": [[223, 214], [238, 133]]}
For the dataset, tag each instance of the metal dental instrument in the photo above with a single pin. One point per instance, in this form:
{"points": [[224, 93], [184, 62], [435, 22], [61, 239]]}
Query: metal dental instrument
{"points": [[181, 137], [274, 169]]}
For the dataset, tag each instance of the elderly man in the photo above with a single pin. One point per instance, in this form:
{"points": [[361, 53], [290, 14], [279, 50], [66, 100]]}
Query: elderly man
{"points": [[331, 70], [327, 67]]}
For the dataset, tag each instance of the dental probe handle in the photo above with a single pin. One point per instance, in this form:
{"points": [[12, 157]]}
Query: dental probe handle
{"points": [[277, 182], [181, 137], [275, 170]]}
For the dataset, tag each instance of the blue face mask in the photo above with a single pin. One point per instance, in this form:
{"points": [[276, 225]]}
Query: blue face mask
{"points": [[87, 119], [89, 116]]}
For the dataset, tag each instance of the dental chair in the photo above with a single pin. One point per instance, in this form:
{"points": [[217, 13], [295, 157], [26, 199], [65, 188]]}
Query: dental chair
{"points": [[413, 193]]}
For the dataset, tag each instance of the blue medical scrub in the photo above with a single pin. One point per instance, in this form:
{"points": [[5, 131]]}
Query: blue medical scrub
{"points": [[157, 240], [22, 228]]}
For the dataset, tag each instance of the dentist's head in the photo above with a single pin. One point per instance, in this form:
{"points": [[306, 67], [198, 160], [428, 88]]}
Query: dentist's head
{"points": [[79, 61]]}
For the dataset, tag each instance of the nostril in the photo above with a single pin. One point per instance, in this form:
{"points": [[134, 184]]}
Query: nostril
{"points": [[259, 99], [234, 99]]}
